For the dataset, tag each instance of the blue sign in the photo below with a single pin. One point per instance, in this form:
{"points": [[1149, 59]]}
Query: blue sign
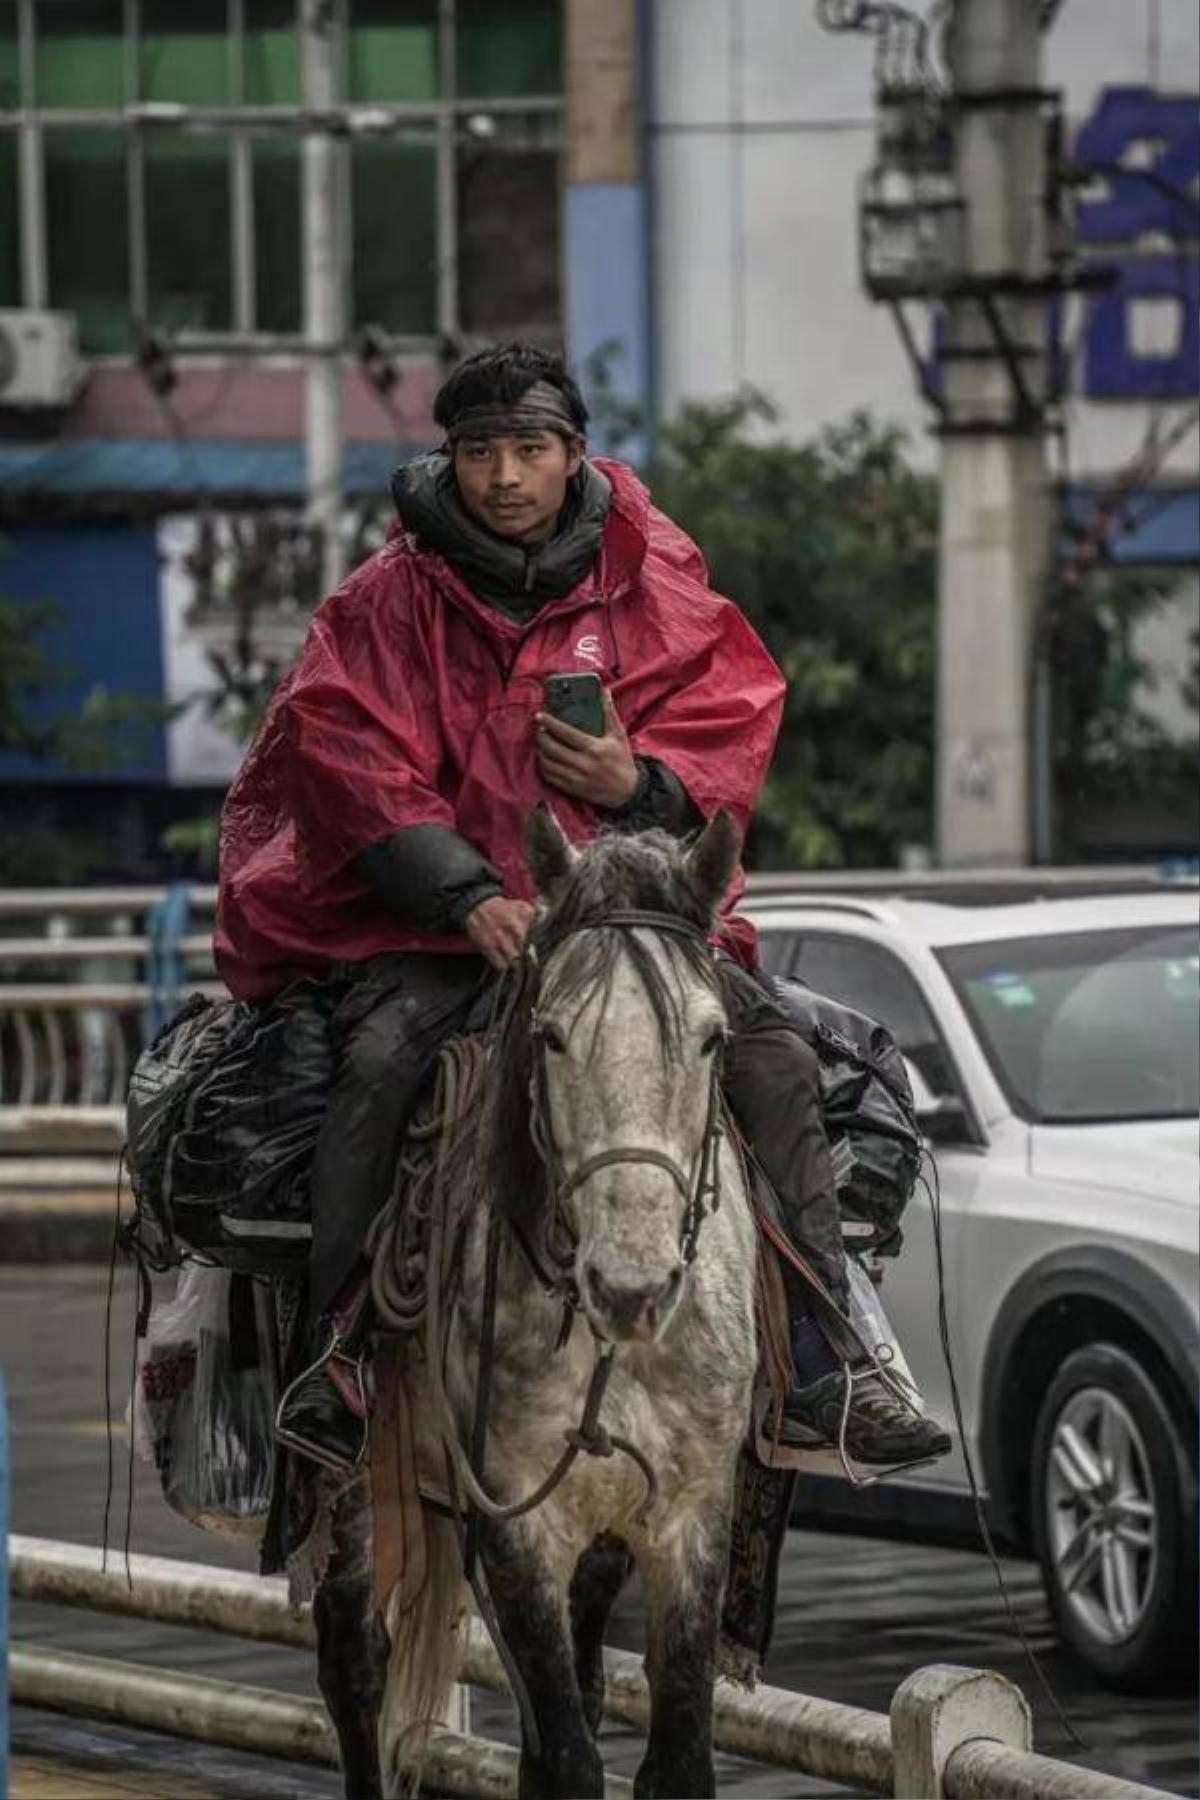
{"points": [[1145, 146], [1114, 369]]}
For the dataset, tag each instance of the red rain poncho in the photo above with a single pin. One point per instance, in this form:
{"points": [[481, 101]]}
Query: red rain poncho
{"points": [[413, 703]]}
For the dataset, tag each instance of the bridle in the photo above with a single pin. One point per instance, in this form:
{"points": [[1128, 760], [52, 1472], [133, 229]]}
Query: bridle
{"points": [[700, 1186]]}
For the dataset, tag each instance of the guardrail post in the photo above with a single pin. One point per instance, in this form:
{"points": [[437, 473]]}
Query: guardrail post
{"points": [[166, 925], [936, 1709]]}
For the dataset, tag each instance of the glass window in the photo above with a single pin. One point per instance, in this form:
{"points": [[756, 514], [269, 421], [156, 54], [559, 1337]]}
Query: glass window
{"points": [[872, 981], [10, 69], [511, 49], [183, 52], [508, 255], [10, 246], [277, 233], [79, 53], [393, 50], [88, 233], [272, 53], [1098, 1025], [395, 275], [188, 232]]}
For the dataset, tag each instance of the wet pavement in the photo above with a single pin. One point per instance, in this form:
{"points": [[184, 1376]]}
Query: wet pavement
{"points": [[855, 1616]]}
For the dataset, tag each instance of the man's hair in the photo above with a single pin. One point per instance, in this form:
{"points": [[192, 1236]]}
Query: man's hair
{"points": [[500, 376]]}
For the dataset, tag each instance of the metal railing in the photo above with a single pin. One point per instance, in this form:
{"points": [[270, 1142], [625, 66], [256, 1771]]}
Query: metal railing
{"points": [[951, 1731], [88, 974], [86, 977]]}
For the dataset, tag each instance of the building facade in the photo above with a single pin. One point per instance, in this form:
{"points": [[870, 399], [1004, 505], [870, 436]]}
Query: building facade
{"points": [[152, 294], [675, 180], [760, 128]]}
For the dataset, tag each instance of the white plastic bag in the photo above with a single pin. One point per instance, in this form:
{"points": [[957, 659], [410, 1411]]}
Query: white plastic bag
{"points": [[202, 1411]]}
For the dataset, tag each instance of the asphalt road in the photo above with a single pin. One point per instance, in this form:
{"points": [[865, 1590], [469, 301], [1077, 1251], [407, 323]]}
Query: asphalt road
{"points": [[855, 1615]]}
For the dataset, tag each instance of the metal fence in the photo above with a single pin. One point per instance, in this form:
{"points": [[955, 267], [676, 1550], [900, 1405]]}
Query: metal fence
{"points": [[86, 976], [951, 1731]]}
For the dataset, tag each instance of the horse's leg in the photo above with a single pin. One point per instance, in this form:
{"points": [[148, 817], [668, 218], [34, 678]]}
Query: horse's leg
{"points": [[684, 1587], [530, 1606], [352, 1646], [600, 1574]]}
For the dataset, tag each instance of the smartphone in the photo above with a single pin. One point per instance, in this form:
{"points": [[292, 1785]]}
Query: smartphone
{"points": [[577, 700]]}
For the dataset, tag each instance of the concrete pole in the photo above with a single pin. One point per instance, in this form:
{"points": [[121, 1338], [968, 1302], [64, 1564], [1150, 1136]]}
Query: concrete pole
{"points": [[995, 500], [324, 289]]}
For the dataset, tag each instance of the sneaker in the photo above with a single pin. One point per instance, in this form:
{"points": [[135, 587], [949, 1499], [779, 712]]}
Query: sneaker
{"points": [[323, 1413], [881, 1430]]}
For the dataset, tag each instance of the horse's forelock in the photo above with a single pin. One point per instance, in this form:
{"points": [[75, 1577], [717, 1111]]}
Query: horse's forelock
{"points": [[646, 872]]}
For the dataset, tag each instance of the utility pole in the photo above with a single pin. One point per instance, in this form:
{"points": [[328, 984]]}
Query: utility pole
{"points": [[995, 516], [324, 288]]}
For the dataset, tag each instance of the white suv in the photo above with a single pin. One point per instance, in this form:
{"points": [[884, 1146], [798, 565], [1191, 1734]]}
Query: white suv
{"points": [[1054, 1049]]}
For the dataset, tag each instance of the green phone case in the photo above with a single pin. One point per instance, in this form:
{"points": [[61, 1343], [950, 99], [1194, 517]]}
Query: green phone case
{"points": [[577, 699]]}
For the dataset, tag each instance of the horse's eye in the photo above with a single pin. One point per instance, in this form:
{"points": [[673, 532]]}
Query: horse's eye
{"points": [[712, 1043], [553, 1039]]}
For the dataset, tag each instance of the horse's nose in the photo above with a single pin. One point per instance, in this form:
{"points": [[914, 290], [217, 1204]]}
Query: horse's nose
{"points": [[632, 1309]]}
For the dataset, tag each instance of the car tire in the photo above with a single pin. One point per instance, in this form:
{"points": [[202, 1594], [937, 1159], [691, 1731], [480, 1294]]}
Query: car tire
{"points": [[1113, 1509]]}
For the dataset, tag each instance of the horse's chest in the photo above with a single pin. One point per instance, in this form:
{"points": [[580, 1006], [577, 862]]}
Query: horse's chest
{"points": [[689, 1451]]}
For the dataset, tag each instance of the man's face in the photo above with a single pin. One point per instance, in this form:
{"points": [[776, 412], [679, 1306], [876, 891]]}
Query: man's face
{"points": [[517, 485]]}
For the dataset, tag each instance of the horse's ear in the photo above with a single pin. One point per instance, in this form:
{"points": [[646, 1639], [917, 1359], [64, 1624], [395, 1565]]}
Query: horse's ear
{"points": [[712, 859], [548, 850]]}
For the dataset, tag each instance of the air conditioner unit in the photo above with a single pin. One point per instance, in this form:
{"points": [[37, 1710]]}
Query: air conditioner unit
{"points": [[39, 359]]}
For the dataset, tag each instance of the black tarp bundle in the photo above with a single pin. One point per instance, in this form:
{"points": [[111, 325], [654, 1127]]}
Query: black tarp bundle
{"points": [[226, 1103], [223, 1114], [869, 1113]]}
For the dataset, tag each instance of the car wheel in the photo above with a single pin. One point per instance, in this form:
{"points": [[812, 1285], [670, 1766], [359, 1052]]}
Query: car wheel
{"points": [[1112, 1498]]}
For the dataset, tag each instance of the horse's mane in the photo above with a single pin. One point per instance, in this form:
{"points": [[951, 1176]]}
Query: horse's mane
{"points": [[646, 873]]}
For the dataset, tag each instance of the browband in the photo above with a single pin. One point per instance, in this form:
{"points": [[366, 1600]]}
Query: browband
{"points": [[632, 917]]}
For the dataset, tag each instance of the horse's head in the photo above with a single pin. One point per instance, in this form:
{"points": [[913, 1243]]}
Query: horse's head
{"points": [[626, 1037]]}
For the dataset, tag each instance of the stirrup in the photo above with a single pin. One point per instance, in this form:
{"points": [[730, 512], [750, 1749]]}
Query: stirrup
{"points": [[345, 1376], [820, 1458]]}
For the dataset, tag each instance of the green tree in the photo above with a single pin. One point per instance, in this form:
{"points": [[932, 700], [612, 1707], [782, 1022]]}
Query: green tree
{"points": [[830, 548], [1113, 759]]}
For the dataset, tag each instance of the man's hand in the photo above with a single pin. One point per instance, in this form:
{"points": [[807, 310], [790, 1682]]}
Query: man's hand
{"points": [[497, 929], [601, 770]]}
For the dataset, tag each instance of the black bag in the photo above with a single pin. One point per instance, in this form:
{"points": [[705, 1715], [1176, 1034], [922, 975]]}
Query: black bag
{"points": [[869, 1114], [223, 1114]]}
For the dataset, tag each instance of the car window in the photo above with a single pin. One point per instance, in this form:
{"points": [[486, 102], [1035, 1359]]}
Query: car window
{"points": [[1089, 1025], [873, 981]]}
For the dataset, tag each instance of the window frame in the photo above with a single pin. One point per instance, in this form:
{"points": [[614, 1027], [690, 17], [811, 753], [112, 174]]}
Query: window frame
{"points": [[443, 121]]}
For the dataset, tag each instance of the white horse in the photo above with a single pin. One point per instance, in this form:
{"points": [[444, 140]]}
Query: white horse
{"points": [[609, 1197]]}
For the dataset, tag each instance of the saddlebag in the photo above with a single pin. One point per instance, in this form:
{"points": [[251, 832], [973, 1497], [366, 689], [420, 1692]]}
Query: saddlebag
{"points": [[223, 1114], [869, 1115]]}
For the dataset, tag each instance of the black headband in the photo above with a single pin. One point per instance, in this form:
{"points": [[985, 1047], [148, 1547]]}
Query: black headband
{"points": [[542, 407]]}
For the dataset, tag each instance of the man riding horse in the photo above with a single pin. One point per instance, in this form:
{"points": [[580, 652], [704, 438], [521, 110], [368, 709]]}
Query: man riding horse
{"points": [[373, 838]]}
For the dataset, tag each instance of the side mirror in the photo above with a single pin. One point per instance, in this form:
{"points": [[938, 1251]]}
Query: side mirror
{"points": [[942, 1118]]}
